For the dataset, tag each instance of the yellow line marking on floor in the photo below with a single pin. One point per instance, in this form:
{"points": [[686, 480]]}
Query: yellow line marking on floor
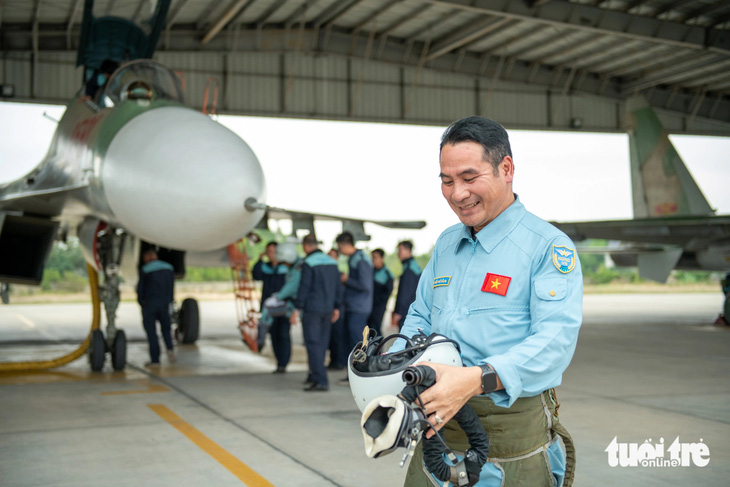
{"points": [[25, 321], [242, 471], [152, 388]]}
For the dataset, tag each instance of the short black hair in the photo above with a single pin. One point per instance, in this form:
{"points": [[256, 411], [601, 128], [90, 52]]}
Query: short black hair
{"points": [[345, 238], [310, 239], [489, 134], [380, 252], [273, 242], [406, 244]]}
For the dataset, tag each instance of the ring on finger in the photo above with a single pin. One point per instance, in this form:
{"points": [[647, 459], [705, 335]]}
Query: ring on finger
{"points": [[438, 420]]}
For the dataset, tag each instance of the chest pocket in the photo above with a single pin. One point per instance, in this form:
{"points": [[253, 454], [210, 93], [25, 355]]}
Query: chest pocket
{"points": [[552, 289]]}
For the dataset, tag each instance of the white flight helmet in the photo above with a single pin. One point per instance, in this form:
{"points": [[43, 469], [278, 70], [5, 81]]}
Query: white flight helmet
{"points": [[368, 385], [287, 252]]}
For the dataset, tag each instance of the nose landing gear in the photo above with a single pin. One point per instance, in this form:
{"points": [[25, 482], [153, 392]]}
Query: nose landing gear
{"points": [[110, 244]]}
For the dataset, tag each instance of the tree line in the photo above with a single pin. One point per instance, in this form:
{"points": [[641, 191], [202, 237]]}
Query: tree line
{"points": [[65, 271]]}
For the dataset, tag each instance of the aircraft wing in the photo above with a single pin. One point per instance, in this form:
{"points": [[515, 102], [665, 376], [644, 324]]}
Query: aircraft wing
{"points": [[47, 201], [302, 220], [657, 243], [664, 231]]}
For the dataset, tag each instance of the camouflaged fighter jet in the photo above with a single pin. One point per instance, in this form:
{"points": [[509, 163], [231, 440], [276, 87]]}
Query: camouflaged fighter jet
{"points": [[132, 166], [674, 226]]}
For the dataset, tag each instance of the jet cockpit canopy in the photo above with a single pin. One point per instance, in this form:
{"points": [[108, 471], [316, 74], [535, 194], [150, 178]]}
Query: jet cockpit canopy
{"points": [[139, 80]]}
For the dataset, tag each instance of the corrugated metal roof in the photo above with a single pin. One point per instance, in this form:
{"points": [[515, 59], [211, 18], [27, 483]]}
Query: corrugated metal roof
{"points": [[677, 53]]}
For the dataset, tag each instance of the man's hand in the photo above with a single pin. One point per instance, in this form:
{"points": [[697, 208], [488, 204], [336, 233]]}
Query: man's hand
{"points": [[335, 315], [453, 388], [343, 278], [294, 318], [396, 318]]}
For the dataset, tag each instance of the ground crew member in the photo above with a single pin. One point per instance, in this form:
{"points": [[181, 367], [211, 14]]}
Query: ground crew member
{"points": [[155, 291], [508, 287], [272, 274], [99, 77], [317, 298], [338, 338], [382, 289], [407, 283], [358, 288], [286, 257]]}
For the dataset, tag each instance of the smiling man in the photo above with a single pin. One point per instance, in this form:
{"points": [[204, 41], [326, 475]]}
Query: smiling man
{"points": [[507, 286]]}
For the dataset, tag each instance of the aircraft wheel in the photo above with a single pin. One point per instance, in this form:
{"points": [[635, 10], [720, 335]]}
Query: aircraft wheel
{"points": [[189, 321], [98, 351], [726, 308], [119, 351]]}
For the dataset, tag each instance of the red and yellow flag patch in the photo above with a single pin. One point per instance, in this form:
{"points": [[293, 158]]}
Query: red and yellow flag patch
{"points": [[496, 284]]}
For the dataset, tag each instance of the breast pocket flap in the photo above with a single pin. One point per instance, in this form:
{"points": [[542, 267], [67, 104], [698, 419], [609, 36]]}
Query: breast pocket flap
{"points": [[553, 289]]}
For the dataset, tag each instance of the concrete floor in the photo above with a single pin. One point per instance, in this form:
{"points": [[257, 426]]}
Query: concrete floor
{"points": [[646, 367]]}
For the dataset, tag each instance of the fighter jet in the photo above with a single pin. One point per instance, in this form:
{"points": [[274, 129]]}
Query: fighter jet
{"points": [[131, 166], [674, 226]]}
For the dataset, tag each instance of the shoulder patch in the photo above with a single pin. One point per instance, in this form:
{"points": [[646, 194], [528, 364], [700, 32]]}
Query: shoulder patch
{"points": [[441, 281], [563, 258]]}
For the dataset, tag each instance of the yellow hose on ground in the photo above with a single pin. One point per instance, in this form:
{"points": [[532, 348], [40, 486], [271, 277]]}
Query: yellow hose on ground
{"points": [[95, 324]]}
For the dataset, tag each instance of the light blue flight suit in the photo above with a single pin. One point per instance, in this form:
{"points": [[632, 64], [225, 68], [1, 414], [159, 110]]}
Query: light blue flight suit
{"points": [[512, 298]]}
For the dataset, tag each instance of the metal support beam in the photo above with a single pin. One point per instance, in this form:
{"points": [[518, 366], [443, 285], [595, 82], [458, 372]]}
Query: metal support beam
{"points": [[690, 68], [465, 35], [334, 12], [668, 7], [597, 20], [35, 35], [703, 10], [698, 102], [640, 59], [223, 20], [138, 10], [175, 13], [577, 46], [268, 13], [372, 17], [404, 19], [70, 22]]}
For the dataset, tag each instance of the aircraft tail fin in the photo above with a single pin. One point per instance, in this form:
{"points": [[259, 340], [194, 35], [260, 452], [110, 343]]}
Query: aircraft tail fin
{"points": [[660, 182]]}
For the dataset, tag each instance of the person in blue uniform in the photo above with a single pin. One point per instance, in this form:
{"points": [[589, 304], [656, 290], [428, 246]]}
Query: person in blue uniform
{"points": [[382, 289], [358, 288], [338, 354], [507, 286], [99, 77], [407, 283], [272, 274], [317, 298], [155, 293]]}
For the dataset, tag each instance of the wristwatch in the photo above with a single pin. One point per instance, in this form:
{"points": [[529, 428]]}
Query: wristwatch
{"points": [[489, 379]]}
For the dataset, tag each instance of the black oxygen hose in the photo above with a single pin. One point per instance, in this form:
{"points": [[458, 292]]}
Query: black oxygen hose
{"points": [[418, 379]]}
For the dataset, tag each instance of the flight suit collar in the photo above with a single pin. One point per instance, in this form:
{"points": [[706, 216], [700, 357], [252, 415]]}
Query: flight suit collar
{"points": [[497, 229]]}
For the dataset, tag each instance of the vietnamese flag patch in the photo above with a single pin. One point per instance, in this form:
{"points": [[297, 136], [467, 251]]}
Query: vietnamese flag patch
{"points": [[496, 284]]}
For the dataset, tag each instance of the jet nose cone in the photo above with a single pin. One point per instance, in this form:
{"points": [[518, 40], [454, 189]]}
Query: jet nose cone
{"points": [[176, 178]]}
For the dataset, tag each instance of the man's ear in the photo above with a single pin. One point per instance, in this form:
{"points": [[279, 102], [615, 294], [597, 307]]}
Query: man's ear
{"points": [[507, 168]]}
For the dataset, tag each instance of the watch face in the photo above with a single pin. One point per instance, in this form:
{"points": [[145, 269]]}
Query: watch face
{"points": [[489, 381]]}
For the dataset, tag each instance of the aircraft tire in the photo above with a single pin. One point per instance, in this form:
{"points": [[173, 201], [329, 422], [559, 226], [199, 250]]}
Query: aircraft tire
{"points": [[98, 351], [119, 351], [189, 324], [726, 308]]}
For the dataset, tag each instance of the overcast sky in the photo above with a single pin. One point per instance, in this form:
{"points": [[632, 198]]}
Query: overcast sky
{"points": [[390, 172]]}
